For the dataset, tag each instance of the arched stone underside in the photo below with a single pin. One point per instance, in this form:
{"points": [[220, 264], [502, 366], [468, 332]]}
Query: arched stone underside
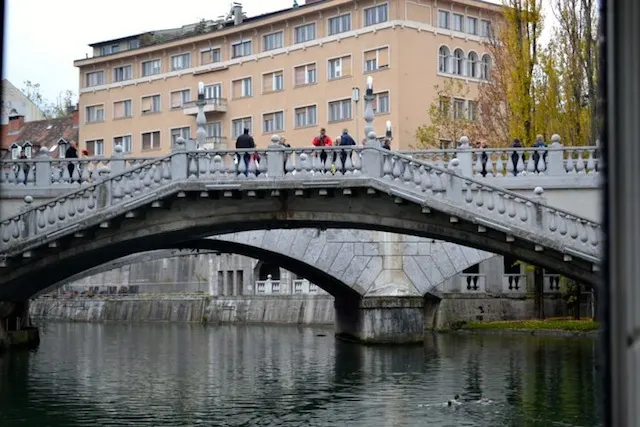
{"points": [[365, 204], [370, 263]]}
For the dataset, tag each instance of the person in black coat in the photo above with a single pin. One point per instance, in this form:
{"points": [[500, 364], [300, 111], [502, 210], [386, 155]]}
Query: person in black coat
{"points": [[345, 140], [71, 153], [245, 141]]}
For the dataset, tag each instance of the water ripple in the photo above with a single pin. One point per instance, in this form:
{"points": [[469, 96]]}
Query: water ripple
{"points": [[185, 375]]}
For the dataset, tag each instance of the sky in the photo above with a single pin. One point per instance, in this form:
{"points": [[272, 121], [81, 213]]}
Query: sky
{"points": [[44, 37]]}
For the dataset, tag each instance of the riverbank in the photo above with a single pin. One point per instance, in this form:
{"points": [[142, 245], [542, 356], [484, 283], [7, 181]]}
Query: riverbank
{"points": [[563, 327]]}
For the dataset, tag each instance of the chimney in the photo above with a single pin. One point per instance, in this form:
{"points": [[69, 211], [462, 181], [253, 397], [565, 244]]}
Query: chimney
{"points": [[236, 10], [16, 123]]}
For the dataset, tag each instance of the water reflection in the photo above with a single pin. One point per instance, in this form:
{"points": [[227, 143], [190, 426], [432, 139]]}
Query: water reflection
{"points": [[160, 374]]}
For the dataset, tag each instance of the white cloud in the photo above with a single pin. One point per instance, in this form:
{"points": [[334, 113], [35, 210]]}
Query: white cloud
{"points": [[43, 38]]}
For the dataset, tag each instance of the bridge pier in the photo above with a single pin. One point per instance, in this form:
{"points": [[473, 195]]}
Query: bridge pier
{"points": [[15, 326], [385, 320]]}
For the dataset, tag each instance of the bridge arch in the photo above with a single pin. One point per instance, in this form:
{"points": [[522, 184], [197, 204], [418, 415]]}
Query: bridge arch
{"points": [[193, 217]]}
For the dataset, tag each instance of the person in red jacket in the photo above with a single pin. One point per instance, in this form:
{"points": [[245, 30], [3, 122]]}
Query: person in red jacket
{"points": [[322, 140]]}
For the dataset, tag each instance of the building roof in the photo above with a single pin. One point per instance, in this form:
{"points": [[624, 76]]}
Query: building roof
{"points": [[42, 133]]}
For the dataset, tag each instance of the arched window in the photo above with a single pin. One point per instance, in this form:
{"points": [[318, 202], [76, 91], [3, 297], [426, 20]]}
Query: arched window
{"points": [[472, 65], [444, 54], [485, 72], [458, 62]]}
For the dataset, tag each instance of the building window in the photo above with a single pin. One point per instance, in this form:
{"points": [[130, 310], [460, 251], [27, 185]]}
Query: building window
{"points": [[213, 91], [151, 68], [472, 65], [151, 140], [210, 56], [472, 110], [124, 142], [95, 113], [472, 25], [241, 49], [340, 24], [458, 109], [273, 82], [485, 67], [486, 28], [272, 41], [241, 88], [443, 59], [306, 116], [151, 104], [376, 15], [443, 19], [95, 147], [339, 67], [180, 97], [305, 74], [95, 78], [340, 110], [239, 125], [122, 109], [214, 129], [134, 44], [122, 73], [458, 62], [273, 122], [458, 22], [305, 33], [180, 62], [376, 59], [184, 132], [112, 48], [381, 103]]}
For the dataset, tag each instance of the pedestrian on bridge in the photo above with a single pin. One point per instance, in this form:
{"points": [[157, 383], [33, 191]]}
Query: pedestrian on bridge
{"points": [[245, 141]]}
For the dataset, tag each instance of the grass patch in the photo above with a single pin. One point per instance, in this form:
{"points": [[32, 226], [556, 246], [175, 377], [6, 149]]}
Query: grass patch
{"points": [[555, 324]]}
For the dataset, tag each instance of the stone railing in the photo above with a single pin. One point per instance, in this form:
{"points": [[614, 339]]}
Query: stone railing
{"points": [[46, 172], [404, 177], [557, 161], [267, 287]]}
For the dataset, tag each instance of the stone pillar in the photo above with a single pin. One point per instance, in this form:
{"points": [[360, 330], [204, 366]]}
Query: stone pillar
{"points": [[275, 158], [465, 156], [179, 160], [15, 326], [383, 320], [43, 169], [555, 159]]}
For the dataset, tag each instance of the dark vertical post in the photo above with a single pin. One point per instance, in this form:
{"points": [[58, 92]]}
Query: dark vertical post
{"points": [[620, 297]]}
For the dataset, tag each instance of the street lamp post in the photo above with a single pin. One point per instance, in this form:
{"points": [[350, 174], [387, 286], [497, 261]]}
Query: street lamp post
{"points": [[201, 120], [355, 97]]}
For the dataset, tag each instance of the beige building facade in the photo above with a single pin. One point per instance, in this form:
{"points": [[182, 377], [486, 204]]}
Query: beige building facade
{"points": [[289, 72]]}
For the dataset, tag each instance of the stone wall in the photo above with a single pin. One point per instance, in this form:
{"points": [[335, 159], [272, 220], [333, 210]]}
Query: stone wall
{"points": [[283, 309]]}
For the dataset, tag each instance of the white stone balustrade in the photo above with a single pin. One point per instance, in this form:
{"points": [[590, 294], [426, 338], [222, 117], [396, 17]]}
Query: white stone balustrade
{"points": [[473, 283], [515, 283], [554, 161]]}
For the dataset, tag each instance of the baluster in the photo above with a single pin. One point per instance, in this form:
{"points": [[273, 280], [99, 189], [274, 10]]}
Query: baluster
{"points": [[251, 173], [148, 178], [31, 175], [580, 163], [438, 187], [51, 213], [357, 164], [584, 233], [60, 209], [524, 211], [75, 175], [71, 208], [511, 167], [520, 163], [348, 164], [407, 178], [166, 170], [499, 164], [468, 193], [397, 169], [594, 235], [591, 165], [288, 164], [66, 178], [553, 226], [511, 202], [569, 167], [489, 165], [85, 176], [501, 203], [339, 164], [490, 203], [477, 168], [417, 172], [562, 224], [42, 218], [218, 166], [426, 182], [531, 165], [479, 198], [387, 168], [263, 165], [573, 228], [193, 167], [21, 178]]}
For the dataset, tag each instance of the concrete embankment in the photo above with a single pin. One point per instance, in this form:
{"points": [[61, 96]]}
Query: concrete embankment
{"points": [[305, 310]]}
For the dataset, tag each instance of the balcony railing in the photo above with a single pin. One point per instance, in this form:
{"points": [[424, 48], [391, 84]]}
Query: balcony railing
{"points": [[216, 143], [472, 283], [514, 283], [212, 105]]}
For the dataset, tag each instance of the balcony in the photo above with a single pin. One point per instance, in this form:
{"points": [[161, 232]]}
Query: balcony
{"points": [[213, 105], [215, 143]]}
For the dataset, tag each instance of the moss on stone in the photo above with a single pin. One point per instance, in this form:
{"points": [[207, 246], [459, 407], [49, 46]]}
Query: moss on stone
{"points": [[557, 324]]}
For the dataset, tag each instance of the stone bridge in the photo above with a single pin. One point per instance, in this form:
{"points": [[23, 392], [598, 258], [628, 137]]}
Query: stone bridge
{"points": [[191, 194], [361, 263]]}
